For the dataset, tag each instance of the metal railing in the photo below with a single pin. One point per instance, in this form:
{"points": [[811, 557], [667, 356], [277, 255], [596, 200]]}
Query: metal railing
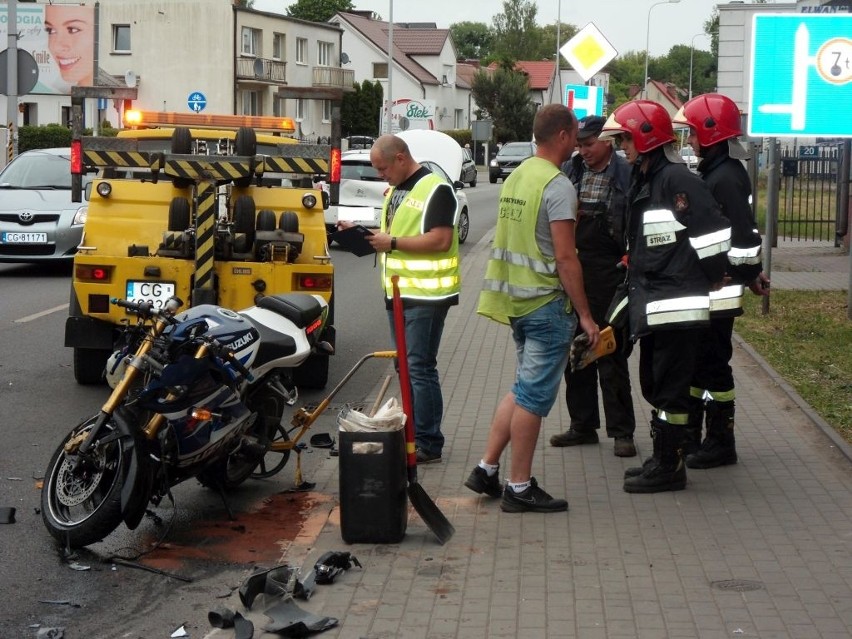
{"points": [[333, 77]]}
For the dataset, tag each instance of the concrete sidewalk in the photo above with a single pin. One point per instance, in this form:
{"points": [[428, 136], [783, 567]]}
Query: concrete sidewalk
{"points": [[759, 549]]}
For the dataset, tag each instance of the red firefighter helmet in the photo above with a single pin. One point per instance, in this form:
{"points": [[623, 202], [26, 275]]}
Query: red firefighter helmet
{"points": [[714, 117], [646, 121]]}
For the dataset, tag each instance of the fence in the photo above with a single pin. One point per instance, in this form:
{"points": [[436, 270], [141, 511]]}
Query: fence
{"points": [[808, 197]]}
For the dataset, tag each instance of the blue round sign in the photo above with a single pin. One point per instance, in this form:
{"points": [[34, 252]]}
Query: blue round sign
{"points": [[196, 101]]}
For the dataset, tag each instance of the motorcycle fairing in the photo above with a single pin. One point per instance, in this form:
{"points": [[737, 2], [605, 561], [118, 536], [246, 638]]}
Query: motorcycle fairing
{"points": [[134, 498]]}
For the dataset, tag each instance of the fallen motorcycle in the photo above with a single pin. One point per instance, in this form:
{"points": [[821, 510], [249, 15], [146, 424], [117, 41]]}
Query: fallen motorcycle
{"points": [[196, 394]]}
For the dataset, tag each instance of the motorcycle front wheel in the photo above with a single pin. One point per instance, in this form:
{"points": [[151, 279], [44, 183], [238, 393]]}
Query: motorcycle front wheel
{"points": [[81, 503]]}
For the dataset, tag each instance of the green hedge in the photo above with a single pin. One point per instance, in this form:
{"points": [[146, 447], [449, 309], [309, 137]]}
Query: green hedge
{"points": [[462, 136], [52, 136]]}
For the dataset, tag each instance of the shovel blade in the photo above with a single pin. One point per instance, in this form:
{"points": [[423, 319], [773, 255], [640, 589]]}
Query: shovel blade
{"points": [[430, 513]]}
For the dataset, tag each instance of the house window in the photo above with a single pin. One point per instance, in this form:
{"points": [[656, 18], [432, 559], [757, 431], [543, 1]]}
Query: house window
{"points": [[301, 51], [324, 51], [380, 70], [459, 122], [251, 41], [278, 46], [300, 110], [121, 38], [326, 110], [251, 103], [279, 107]]}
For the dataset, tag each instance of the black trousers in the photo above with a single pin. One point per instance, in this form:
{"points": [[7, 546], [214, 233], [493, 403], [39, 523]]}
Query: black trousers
{"points": [[611, 371], [666, 366], [712, 366]]}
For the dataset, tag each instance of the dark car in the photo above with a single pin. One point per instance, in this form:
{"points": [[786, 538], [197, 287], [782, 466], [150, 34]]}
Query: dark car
{"points": [[468, 170], [508, 158]]}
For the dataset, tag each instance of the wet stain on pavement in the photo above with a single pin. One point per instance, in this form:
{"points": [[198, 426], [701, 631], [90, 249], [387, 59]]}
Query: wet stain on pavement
{"points": [[259, 536]]}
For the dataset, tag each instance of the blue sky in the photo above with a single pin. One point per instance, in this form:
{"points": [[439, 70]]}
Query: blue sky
{"points": [[623, 22]]}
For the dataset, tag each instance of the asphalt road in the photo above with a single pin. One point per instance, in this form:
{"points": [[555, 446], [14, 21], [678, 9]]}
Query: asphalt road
{"points": [[200, 553]]}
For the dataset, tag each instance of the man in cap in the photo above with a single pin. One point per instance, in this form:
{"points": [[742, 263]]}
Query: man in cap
{"points": [[602, 178]]}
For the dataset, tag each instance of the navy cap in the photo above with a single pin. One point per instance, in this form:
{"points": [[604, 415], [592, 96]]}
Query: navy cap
{"points": [[589, 126]]}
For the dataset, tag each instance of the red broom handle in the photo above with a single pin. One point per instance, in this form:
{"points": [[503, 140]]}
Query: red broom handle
{"points": [[404, 379]]}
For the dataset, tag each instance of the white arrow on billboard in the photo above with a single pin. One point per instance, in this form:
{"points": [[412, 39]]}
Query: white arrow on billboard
{"points": [[588, 52]]}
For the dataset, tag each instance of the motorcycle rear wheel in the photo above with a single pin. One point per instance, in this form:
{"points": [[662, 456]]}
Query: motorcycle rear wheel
{"points": [[82, 506]]}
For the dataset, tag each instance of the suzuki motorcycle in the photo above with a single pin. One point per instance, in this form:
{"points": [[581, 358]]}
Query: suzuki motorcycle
{"points": [[196, 394]]}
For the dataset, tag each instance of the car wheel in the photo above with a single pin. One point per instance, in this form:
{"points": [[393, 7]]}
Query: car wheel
{"points": [[492, 179], [473, 181], [464, 226]]}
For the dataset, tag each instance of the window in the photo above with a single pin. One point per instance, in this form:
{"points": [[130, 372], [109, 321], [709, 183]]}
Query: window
{"points": [[251, 41], [380, 69], [324, 52], [278, 49], [251, 103], [326, 110], [279, 107], [121, 38], [301, 51], [300, 110], [458, 119]]}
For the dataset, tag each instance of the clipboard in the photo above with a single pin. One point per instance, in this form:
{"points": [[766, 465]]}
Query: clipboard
{"points": [[354, 240]]}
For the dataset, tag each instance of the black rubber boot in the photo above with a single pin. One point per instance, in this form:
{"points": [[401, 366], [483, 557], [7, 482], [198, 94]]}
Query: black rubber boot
{"points": [[635, 471], [719, 447], [692, 431], [666, 471]]}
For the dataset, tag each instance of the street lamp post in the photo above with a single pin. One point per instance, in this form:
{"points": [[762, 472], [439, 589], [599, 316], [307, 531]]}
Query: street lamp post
{"points": [[648, 44], [691, 56]]}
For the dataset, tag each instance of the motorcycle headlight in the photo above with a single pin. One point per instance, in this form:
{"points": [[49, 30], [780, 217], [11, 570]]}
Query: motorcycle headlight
{"points": [[115, 367]]}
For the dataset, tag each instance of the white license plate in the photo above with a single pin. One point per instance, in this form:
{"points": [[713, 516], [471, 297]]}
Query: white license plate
{"points": [[24, 238], [156, 293]]}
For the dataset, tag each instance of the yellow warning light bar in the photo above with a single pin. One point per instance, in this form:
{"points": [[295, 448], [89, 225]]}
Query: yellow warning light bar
{"points": [[141, 119]]}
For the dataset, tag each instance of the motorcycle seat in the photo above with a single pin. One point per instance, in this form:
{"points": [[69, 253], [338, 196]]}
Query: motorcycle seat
{"points": [[299, 308]]}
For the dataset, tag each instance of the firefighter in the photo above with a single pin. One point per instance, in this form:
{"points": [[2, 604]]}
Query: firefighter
{"points": [[677, 243], [714, 126]]}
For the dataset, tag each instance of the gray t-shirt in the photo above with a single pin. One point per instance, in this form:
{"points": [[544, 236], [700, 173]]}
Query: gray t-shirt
{"points": [[558, 202]]}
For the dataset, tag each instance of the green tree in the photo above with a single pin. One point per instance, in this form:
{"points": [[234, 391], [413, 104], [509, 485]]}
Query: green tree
{"points": [[317, 10], [473, 40], [549, 45], [504, 98], [244, 4], [361, 108], [516, 34]]}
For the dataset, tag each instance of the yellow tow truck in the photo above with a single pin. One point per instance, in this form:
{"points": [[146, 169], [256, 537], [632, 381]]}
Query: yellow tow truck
{"points": [[212, 209]]}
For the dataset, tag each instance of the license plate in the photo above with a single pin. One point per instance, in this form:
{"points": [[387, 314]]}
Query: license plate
{"points": [[156, 293], [24, 238]]}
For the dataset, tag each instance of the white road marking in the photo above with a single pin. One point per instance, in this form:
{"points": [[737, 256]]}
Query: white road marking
{"points": [[34, 316]]}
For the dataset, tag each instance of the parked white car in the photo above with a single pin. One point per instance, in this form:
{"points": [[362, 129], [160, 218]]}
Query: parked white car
{"points": [[362, 191], [689, 158]]}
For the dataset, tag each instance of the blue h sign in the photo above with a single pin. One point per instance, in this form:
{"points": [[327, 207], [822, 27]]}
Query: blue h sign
{"points": [[584, 100]]}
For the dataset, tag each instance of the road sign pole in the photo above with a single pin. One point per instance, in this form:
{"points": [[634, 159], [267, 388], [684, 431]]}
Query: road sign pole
{"points": [[12, 79]]}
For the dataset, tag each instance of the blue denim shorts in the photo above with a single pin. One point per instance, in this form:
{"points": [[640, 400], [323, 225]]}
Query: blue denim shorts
{"points": [[542, 340]]}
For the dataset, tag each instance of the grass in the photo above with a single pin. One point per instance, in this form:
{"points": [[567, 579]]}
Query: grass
{"points": [[806, 338]]}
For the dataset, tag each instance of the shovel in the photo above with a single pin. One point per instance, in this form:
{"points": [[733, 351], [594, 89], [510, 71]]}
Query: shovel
{"points": [[423, 504]]}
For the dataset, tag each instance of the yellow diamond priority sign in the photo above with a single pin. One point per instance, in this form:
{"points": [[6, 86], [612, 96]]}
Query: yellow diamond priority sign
{"points": [[588, 52]]}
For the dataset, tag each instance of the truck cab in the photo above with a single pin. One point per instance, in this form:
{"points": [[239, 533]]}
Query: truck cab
{"points": [[212, 209]]}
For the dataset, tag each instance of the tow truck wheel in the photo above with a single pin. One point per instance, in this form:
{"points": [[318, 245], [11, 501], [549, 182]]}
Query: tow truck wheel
{"points": [[244, 218], [289, 222], [266, 220], [89, 365], [178, 214], [181, 144], [245, 143]]}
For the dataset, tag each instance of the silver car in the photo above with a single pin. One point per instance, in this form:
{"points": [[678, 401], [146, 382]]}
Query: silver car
{"points": [[38, 220]]}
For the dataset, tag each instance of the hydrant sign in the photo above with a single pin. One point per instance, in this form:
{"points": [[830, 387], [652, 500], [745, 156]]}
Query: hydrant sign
{"points": [[408, 113]]}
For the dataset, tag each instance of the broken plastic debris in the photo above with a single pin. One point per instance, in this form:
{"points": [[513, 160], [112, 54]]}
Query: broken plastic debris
{"points": [[51, 633], [180, 632], [81, 567]]}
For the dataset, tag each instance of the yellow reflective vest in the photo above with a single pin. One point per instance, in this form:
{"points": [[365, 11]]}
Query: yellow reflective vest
{"points": [[422, 276]]}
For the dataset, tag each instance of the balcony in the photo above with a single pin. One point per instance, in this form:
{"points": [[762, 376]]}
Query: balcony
{"points": [[333, 77], [262, 70]]}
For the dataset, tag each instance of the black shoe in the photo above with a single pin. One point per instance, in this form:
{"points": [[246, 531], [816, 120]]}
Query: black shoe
{"points": [[635, 471], [427, 458], [480, 482], [533, 500], [624, 447], [573, 437]]}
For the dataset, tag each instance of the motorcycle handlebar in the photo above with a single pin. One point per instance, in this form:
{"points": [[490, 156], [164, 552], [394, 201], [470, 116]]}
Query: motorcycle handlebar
{"points": [[232, 359]]}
